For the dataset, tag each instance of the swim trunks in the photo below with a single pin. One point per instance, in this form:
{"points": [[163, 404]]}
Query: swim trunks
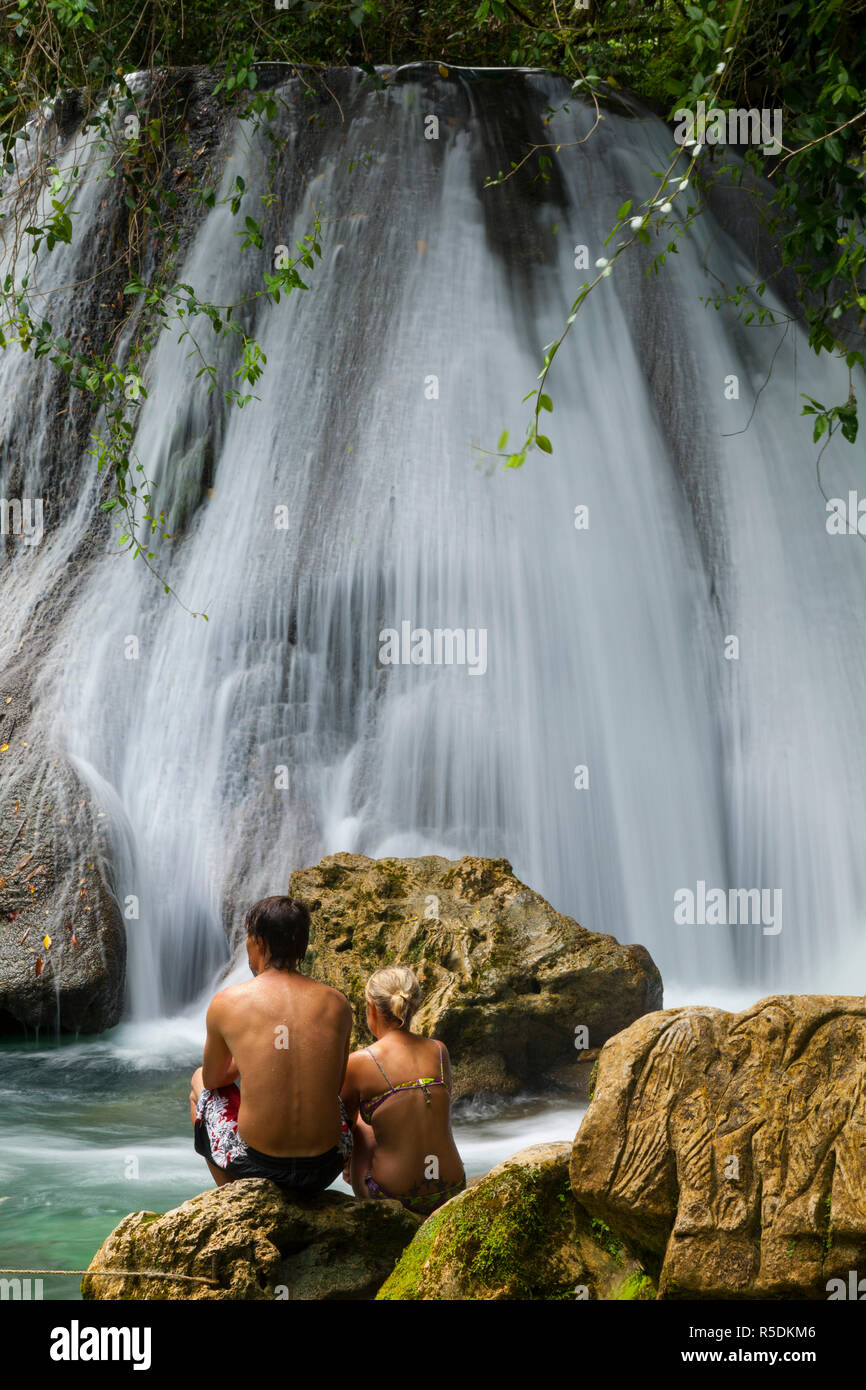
{"points": [[217, 1139]]}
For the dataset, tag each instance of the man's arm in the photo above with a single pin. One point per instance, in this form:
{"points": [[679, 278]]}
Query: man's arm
{"points": [[218, 1067]]}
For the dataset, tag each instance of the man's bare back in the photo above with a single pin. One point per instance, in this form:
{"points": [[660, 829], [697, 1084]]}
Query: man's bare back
{"points": [[289, 1037], [286, 1039]]}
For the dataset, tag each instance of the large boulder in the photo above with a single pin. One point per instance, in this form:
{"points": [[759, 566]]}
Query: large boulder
{"points": [[734, 1146], [518, 1233], [248, 1240], [62, 937], [507, 979]]}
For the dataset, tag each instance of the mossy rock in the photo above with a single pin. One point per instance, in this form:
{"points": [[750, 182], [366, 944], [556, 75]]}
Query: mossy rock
{"points": [[518, 1233]]}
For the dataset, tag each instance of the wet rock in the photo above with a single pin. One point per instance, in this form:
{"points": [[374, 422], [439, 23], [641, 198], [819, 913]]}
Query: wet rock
{"points": [[62, 937]]}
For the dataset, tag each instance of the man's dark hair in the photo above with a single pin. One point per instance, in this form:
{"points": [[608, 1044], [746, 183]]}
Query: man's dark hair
{"points": [[282, 925]]}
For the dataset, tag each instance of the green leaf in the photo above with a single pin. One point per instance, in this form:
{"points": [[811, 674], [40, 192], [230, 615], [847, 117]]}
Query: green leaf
{"points": [[544, 443], [544, 402]]}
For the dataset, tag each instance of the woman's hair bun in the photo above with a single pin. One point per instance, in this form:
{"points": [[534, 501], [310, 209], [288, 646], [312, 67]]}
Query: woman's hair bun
{"points": [[395, 992]]}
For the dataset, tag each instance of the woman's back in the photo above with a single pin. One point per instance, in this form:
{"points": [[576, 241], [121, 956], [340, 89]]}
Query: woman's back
{"points": [[401, 1086], [397, 1094]]}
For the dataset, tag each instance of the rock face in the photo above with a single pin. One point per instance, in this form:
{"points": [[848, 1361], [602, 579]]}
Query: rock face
{"points": [[734, 1146], [518, 1233], [252, 1242], [507, 979], [52, 887]]}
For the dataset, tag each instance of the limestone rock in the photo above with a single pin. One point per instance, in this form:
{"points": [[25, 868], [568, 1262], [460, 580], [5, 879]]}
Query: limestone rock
{"points": [[255, 1243], [54, 884], [518, 1233], [734, 1146], [506, 978]]}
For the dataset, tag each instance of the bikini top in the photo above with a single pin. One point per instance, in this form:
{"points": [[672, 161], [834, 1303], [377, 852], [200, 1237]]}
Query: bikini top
{"points": [[368, 1107]]}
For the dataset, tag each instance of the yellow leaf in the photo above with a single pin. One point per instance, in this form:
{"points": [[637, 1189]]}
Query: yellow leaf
{"points": [[3, 747], [443, 71], [46, 942]]}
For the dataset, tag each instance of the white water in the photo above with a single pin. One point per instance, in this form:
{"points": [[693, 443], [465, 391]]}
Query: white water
{"points": [[605, 646]]}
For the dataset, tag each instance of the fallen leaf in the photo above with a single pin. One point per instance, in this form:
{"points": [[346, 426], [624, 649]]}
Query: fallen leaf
{"points": [[39, 967], [46, 942], [443, 71]]}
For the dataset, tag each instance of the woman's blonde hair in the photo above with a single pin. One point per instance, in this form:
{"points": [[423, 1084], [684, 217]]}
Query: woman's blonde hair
{"points": [[395, 992]]}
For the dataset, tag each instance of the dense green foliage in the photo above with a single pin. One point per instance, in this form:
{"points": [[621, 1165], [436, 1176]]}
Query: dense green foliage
{"points": [[805, 59]]}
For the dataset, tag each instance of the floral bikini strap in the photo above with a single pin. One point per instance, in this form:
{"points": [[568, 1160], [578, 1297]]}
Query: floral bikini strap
{"points": [[391, 1085], [379, 1065]]}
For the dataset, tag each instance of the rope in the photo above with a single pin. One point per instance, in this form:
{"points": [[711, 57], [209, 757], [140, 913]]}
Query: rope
{"points": [[110, 1273]]}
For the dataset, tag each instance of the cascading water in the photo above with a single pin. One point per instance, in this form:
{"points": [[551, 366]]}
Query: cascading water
{"points": [[422, 330]]}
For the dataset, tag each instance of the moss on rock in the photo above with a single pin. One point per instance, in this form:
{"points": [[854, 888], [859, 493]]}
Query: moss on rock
{"points": [[518, 1233]]}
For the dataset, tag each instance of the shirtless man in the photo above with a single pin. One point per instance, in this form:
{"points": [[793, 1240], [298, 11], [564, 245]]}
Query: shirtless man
{"points": [[288, 1038]]}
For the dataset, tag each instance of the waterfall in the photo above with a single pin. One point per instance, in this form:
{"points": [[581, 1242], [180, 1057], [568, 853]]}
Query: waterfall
{"points": [[422, 329]]}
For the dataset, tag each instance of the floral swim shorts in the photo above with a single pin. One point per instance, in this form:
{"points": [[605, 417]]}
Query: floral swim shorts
{"points": [[217, 1139]]}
